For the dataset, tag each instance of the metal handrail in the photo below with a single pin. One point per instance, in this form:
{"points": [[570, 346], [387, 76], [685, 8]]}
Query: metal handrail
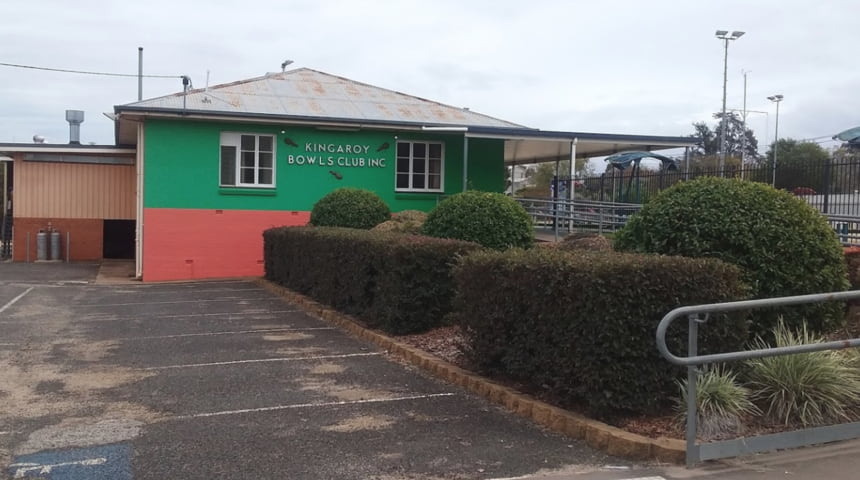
{"points": [[747, 305], [728, 448]]}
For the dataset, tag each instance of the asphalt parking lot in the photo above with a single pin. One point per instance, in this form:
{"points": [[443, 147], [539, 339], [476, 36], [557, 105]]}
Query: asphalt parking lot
{"points": [[225, 380]]}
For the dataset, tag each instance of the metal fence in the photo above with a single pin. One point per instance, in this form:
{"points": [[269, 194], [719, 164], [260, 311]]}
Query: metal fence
{"points": [[562, 216], [833, 187], [698, 314], [559, 217], [603, 203]]}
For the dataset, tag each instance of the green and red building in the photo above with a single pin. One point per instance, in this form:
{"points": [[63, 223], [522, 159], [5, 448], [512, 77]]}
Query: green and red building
{"points": [[215, 167]]}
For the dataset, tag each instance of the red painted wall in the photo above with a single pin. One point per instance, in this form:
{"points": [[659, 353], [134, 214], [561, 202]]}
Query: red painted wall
{"points": [[183, 244]]}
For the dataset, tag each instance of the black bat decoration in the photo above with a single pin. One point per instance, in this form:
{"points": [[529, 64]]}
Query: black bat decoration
{"points": [[336, 175], [382, 147], [289, 141]]}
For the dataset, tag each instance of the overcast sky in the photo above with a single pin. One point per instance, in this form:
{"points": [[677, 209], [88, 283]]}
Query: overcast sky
{"points": [[611, 66]]}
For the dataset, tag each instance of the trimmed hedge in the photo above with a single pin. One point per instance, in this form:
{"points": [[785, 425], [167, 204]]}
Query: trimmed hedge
{"points": [[399, 283], [350, 207], [490, 219], [582, 326], [784, 246]]}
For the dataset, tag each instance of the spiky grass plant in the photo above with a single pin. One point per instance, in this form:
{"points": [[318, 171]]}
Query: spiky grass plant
{"points": [[806, 389], [721, 403]]}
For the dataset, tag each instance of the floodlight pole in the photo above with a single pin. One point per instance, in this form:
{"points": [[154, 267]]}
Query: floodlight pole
{"points": [[775, 99], [725, 37], [744, 127]]}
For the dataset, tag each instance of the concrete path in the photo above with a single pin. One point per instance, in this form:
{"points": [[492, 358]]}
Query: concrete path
{"points": [[224, 380]]}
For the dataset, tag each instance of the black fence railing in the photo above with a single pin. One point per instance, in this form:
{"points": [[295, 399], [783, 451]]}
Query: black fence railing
{"points": [[832, 187]]}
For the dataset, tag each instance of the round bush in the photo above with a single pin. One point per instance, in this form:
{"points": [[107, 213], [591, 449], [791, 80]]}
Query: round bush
{"points": [[784, 246], [490, 219], [350, 207]]}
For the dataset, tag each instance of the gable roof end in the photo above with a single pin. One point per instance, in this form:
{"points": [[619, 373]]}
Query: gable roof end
{"points": [[307, 93]]}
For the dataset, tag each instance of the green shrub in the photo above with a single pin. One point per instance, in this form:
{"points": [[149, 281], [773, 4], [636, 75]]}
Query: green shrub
{"points": [[721, 403], [784, 246], [806, 389], [407, 221], [351, 208], [400, 283], [490, 219], [585, 241], [582, 326]]}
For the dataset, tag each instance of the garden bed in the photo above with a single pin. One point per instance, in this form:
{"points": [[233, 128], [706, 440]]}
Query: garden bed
{"points": [[447, 344]]}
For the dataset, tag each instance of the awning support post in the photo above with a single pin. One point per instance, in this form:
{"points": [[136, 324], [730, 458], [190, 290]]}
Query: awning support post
{"points": [[571, 188], [465, 162]]}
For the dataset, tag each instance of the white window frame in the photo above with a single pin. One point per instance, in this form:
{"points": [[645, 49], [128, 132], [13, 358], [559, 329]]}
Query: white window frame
{"points": [[234, 139], [427, 144]]}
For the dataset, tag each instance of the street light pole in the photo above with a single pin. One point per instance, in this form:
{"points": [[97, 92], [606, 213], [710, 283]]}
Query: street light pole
{"points": [[776, 99], [725, 36], [744, 128]]}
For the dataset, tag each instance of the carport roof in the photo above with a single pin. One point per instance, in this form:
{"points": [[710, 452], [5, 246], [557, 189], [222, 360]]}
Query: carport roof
{"points": [[310, 97]]}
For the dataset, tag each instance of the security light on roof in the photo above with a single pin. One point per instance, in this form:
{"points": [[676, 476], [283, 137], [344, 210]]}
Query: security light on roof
{"points": [[775, 98]]}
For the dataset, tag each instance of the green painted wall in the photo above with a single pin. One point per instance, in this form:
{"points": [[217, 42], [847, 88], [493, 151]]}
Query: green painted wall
{"points": [[181, 166]]}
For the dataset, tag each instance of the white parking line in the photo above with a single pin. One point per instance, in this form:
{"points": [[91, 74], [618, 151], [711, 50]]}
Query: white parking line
{"points": [[174, 302], [19, 297], [173, 292], [264, 360], [310, 405], [21, 469], [107, 317], [210, 334]]}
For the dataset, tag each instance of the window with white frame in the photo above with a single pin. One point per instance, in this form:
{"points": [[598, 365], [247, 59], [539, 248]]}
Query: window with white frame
{"points": [[247, 160], [419, 166]]}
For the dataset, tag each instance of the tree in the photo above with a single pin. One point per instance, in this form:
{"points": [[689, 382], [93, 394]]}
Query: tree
{"points": [[798, 164], [707, 153], [545, 172]]}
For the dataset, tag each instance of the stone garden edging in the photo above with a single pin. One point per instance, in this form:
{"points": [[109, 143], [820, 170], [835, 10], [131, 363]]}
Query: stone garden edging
{"points": [[599, 435]]}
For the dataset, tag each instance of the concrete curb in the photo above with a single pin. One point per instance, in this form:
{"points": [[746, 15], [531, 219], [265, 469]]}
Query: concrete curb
{"points": [[612, 440]]}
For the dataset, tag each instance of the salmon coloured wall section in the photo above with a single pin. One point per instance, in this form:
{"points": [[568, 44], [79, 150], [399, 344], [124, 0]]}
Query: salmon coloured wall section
{"points": [[181, 244]]}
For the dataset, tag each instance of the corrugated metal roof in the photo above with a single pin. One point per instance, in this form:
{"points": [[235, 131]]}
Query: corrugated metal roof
{"points": [[309, 93]]}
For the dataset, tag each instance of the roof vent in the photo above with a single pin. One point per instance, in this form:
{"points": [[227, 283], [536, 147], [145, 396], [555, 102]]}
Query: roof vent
{"points": [[38, 139], [75, 119]]}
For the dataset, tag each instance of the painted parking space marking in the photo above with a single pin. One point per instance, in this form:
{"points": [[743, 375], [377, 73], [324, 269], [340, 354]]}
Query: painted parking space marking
{"points": [[185, 335], [233, 332], [14, 300], [263, 360], [312, 405], [21, 469], [173, 302], [104, 462], [136, 289], [107, 317]]}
